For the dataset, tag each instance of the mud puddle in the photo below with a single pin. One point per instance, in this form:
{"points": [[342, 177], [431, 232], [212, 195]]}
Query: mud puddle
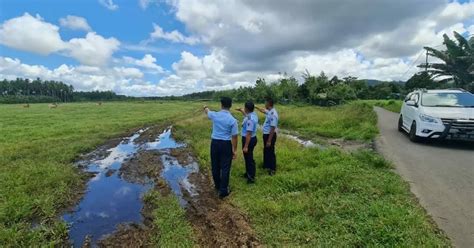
{"points": [[114, 196]]}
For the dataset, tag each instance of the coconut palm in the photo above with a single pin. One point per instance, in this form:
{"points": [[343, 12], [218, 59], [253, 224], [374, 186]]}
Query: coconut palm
{"points": [[456, 61]]}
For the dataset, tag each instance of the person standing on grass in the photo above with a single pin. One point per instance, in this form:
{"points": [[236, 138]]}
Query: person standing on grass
{"points": [[223, 145], [249, 139], [269, 136]]}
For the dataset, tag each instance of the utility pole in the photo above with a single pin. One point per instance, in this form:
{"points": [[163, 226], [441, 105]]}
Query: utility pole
{"points": [[426, 62]]}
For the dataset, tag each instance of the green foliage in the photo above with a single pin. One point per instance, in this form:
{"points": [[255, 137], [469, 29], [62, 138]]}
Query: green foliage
{"points": [[423, 80], [34, 90], [457, 61]]}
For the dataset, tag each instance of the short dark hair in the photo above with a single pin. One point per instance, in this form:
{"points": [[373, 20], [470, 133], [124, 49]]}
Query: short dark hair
{"points": [[226, 102], [269, 100], [249, 106]]}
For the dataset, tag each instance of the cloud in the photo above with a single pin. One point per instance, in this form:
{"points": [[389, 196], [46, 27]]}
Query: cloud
{"points": [[123, 80], [109, 4], [147, 62], [173, 36], [145, 3], [31, 34], [93, 49], [75, 23]]}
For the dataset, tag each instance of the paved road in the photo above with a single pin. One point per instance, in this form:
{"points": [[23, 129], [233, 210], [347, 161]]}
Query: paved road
{"points": [[441, 175]]}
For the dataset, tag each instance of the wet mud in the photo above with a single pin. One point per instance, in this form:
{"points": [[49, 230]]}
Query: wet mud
{"points": [[112, 212]]}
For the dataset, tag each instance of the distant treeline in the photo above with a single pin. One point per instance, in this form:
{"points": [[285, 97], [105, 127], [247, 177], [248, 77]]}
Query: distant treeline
{"points": [[36, 91], [318, 90]]}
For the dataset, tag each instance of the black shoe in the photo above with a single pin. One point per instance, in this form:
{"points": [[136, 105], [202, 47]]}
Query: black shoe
{"points": [[222, 196], [271, 172], [250, 181]]}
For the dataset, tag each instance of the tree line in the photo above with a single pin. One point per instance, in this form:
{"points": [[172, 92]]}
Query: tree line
{"points": [[24, 90]]}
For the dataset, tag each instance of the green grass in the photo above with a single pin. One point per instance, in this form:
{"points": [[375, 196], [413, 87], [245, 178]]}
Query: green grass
{"points": [[37, 148], [355, 121], [171, 227], [390, 105], [323, 198], [318, 198]]}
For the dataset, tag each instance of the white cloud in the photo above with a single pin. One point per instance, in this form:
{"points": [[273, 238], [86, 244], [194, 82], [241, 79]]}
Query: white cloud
{"points": [[128, 72], [148, 62], [75, 23], [109, 4], [145, 3], [31, 34], [348, 63], [470, 29], [122, 80], [93, 49], [173, 36]]}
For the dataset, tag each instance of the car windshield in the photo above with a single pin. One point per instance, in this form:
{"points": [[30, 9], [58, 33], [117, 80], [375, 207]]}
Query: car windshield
{"points": [[464, 99]]}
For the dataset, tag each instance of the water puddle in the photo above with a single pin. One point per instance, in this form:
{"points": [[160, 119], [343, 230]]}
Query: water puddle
{"points": [[304, 143], [111, 200]]}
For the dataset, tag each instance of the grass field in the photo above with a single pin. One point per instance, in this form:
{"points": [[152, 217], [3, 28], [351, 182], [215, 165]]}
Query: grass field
{"points": [[317, 198], [391, 105]]}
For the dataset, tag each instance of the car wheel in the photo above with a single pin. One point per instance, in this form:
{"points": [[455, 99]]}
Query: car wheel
{"points": [[412, 134], [400, 124]]}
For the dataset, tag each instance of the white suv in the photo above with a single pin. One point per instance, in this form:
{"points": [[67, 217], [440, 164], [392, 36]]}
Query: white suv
{"points": [[438, 114]]}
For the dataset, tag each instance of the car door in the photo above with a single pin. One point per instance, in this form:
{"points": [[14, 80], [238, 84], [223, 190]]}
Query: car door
{"points": [[411, 111], [405, 110]]}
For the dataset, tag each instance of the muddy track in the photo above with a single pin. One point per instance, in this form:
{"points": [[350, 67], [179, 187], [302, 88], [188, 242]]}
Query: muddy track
{"points": [[216, 223]]}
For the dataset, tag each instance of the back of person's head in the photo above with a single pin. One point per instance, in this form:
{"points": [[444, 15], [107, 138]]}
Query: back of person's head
{"points": [[249, 106], [269, 101], [226, 102]]}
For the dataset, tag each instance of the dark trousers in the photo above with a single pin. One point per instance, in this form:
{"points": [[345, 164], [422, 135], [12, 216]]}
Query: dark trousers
{"points": [[269, 157], [249, 161], [221, 160]]}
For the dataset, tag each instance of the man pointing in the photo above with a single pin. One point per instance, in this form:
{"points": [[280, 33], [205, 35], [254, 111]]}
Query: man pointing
{"points": [[223, 145]]}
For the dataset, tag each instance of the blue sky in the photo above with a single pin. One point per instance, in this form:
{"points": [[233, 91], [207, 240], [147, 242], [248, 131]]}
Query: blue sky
{"points": [[164, 47], [129, 23]]}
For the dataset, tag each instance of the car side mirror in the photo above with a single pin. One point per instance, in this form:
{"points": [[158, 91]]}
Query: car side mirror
{"points": [[411, 103]]}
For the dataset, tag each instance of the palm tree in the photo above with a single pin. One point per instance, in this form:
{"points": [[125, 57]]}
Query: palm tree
{"points": [[456, 62]]}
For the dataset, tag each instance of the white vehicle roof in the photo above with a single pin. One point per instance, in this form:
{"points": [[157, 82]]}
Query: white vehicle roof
{"points": [[443, 91]]}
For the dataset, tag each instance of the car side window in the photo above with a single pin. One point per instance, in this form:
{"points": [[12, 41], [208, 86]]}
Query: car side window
{"points": [[408, 97], [416, 98]]}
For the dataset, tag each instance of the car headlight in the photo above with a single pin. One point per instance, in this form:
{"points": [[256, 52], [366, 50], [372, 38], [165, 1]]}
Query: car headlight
{"points": [[427, 118]]}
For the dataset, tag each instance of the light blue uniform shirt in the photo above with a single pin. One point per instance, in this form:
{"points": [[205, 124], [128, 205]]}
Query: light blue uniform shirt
{"points": [[271, 120], [250, 123], [224, 125]]}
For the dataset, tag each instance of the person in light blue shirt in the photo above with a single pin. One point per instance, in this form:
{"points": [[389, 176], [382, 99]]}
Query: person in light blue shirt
{"points": [[249, 139], [269, 136], [223, 145]]}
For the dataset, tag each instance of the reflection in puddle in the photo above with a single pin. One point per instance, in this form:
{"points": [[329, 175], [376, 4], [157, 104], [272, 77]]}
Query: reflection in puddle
{"points": [[176, 175], [111, 200]]}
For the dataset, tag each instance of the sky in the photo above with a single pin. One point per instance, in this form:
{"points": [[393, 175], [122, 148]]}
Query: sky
{"points": [[175, 47]]}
